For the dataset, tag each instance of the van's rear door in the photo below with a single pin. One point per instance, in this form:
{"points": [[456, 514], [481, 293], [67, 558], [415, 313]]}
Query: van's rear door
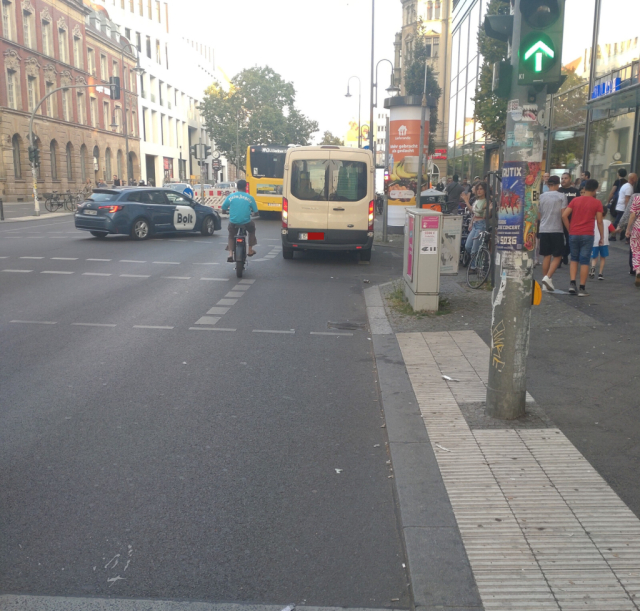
{"points": [[307, 189], [351, 192]]}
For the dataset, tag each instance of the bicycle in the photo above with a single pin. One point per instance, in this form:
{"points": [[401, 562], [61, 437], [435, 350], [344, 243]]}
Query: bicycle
{"points": [[71, 201], [53, 201], [480, 265]]}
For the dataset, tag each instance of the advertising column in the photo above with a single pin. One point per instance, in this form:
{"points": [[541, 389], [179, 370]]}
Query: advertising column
{"points": [[404, 145]]}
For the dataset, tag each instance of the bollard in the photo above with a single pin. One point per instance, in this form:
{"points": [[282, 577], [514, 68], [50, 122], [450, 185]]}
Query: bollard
{"points": [[1, 210]]}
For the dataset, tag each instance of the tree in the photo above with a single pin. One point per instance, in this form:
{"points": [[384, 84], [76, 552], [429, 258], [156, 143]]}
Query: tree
{"points": [[259, 108], [329, 138], [490, 109], [414, 79]]}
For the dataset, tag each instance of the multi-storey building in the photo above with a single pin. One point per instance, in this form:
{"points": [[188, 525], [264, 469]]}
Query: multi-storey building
{"points": [[435, 16], [47, 44], [176, 73]]}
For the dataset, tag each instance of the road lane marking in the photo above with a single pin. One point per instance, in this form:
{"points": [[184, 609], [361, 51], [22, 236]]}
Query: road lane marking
{"points": [[208, 320], [246, 281], [327, 333], [218, 311], [227, 302], [94, 274], [98, 259], [18, 271], [177, 277], [209, 329], [150, 327], [291, 332], [205, 263], [57, 237], [91, 324], [232, 294], [54, 272], [133, 276], [64, 258], [166, 262], [34, 322], [130, 261], [216, 279], [26, 257], [241, 287]]}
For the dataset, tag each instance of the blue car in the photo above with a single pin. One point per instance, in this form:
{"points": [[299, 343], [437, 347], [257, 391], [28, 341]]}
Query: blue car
{"points": [[142, 211]]}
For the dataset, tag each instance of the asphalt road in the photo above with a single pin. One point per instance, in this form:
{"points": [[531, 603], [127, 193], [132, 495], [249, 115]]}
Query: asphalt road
{"points": [[148, 452]]}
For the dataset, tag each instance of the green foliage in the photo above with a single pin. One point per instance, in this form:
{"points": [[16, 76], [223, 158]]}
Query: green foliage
{"points": [[329, 138], [259, 108], [490, 110], [414, 79]]}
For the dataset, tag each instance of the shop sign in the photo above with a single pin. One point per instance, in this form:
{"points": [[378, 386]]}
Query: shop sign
{"points": [[606, 87], [440, 154]]}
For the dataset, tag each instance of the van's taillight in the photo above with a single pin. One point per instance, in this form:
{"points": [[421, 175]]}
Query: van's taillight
{"points": [[285, 213], [371, 209], [111, 208]]}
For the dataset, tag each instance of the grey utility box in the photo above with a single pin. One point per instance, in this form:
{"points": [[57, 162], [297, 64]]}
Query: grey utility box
{"points": [[451, 236], [421, 269]]}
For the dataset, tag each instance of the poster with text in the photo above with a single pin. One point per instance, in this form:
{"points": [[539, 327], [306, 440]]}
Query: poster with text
{"points": [[511, 212]]}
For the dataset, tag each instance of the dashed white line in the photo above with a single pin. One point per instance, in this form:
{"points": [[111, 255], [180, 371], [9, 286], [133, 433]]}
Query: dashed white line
{"points": [[327, 333], [227, 302], [205, 263], [291, 332], [166, 262], [8, 257], [208, 320], [29, 257], [216, 279], [218, 311], [56, 272], [209, 329], [133, 276], [34, 322], [98, 259], [64, 258], [150, 327], [234, 295], [241, 287], [94, 274], [18, 271], [246, 281], [91, 324], [177, 277], [130, 261]]}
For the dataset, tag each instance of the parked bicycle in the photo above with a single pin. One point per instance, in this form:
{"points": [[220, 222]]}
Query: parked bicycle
{"points": [[480, 265], [55, 201]]}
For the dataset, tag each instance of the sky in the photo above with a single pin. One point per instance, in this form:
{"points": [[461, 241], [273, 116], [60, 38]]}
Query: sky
{"points": [[315, 45]]}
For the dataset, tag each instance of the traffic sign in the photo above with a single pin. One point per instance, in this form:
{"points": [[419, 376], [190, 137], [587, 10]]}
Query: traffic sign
{"points": [[537, 53], [188, 191]]}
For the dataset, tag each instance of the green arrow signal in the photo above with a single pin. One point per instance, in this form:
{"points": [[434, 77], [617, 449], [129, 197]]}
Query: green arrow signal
{"points": [[538, 49]]}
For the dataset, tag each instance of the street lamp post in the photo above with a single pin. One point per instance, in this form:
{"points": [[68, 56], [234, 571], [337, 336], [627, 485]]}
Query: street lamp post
{"points": [[139, 70], [348, 95], [373, 32], [392, 88]]}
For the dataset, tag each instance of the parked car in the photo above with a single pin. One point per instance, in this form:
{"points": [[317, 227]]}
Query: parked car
{"points": [[142, 211], [225, 188]]}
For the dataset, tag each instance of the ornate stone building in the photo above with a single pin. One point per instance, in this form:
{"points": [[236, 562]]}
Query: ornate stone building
{"points": [[79, 131]]}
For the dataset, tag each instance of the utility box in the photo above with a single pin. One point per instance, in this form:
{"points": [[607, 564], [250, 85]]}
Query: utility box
{"points": [[421, 270], [451, 236]]}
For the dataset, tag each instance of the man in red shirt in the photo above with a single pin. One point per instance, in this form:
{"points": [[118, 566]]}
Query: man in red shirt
{"points": [[578, 217]]}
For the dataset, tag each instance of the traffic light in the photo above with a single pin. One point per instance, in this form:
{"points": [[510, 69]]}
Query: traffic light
{"points": [[114, 84], [34, 156], [540, 50], [31, 153], [193, 149], [207, 151]]}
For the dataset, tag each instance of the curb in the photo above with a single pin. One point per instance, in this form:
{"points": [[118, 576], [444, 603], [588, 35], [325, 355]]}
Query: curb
{"points": [[439, 569]]}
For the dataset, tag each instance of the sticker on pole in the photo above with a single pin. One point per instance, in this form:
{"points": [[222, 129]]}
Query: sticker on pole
{"points": [[511, 212]]}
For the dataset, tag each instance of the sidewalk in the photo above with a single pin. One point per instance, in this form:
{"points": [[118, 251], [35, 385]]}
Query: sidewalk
{"points": [[23, 211], [541, 528]]}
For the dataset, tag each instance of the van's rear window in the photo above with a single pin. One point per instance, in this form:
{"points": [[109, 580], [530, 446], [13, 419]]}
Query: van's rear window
{"points": [[323, 180]]}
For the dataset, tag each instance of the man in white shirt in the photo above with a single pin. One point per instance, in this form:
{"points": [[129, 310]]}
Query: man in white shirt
{"points": [[626, 191]]}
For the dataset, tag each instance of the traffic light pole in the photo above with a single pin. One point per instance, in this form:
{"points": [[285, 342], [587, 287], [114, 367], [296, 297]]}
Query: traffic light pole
{"points": [[515, 243], [201, 162]]}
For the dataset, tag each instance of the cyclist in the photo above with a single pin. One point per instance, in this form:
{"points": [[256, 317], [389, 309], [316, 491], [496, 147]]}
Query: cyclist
{"points": [[240, 206]]}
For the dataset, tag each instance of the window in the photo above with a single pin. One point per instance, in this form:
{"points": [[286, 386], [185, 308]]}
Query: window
{"points": [[81, 109], [127, 31], [148, 45], [437, 11], [17, 168], [131, 8], [160, 93], [107, 164], [49, 87], [158, 15], [32, 92], [46, 38], [66, 104], [149, 11], [63, 48], [91, 61], [103, 68], [166, 54], [83, 162], [105, 115], [119, 164], [166, 16], [310, 179], [177, 199], [141, 7], [132, 81], [158, 58], [29, 38], [429, 11], [116, 119], [435, 47], [12, 89], [93, 106], [134, 123], [138, 42], [321, 180], [7, 19], [114, 68], [77, 52], [54, 162], [69, 161]]}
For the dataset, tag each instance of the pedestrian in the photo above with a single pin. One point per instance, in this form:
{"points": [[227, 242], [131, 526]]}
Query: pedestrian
{"points": [[600, 251], [545, 182], [116, 181], [633, 232], [87, 189], [551, 234], [478, 223], [566, 187], [454, 191], [612, 200], [579, 217], [586, 175], [624, 197]]}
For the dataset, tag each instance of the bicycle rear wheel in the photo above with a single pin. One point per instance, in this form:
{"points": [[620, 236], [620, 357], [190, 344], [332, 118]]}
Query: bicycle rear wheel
{"points": [[478, 270], [48, 204], [70, 203]]}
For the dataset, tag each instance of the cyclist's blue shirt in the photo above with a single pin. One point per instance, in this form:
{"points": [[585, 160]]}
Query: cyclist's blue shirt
{"points": [[240, 206]]}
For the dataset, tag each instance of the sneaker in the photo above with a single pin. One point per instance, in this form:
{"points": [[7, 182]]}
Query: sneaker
{"points": [[583, 292], [546, 281], [592, 273], [572, 288], [600, 277]]}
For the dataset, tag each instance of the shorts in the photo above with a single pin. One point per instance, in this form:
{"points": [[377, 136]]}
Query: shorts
{"points": [[603, 251], [551, 244], [581, 246]]}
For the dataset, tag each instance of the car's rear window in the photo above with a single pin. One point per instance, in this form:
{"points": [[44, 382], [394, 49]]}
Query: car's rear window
{"points": [[104, 196]]}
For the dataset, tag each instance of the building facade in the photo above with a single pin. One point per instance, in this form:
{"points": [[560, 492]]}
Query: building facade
{"points": [[435, 16], [45, 45], [176, 73]]}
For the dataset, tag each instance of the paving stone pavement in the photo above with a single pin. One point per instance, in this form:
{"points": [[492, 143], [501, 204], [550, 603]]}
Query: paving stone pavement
{"points": [[541, 528]]}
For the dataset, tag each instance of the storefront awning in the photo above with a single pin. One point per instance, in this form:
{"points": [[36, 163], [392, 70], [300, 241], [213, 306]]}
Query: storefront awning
{"points": [[629, 97]]}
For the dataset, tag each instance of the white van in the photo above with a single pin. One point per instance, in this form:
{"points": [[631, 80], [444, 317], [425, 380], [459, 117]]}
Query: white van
{"points": [[328, 200]]}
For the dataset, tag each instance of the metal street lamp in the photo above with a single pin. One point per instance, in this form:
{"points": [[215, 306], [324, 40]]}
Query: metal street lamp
{"points": [[139, 70], [348, 95], [392, 88]]}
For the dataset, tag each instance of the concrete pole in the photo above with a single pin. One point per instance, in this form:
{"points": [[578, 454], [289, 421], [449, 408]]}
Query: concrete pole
{"points": [[373, 36], [385, 212], [514, 249], [201, 155], [423, 118]]}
